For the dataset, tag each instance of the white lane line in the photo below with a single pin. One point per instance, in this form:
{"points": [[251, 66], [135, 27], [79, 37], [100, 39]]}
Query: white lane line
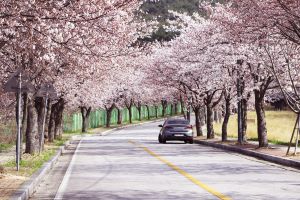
{"points": [[61, 190]]}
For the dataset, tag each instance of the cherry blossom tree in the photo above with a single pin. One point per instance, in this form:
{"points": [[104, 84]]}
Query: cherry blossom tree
{"points": [[51, 39]]}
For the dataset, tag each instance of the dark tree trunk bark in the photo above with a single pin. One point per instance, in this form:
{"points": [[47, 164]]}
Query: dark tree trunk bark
{"points": [[198, 122], [85, 113], [215, 115], [119, 116], [51, 124], [108, 118], [172, 108], [130, 114], [47, 119], [188, 114], [58, 129], [164, 104], [40, 107], [210, 104], [244, 118], [148, 112], [32, 134], [108, 115], [156, 111], [226, 119], [182, 107], [175, 109], [129, 106], [24, 122], [139, 107], [261, 121], [205, 114], [209, 123]]}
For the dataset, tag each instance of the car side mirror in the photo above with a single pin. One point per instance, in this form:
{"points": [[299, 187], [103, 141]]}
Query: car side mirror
{"points": [[160, 125]]}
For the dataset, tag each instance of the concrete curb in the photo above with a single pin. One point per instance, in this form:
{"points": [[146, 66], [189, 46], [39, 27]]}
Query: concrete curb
{"points": [[271, 158], [28, 188]]}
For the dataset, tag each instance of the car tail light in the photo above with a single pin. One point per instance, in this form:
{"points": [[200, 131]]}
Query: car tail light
{"points": [[189, 127], [168, 127]]}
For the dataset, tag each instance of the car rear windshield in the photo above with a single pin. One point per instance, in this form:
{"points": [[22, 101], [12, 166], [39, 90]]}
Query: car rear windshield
{"points": [[178, 122]]}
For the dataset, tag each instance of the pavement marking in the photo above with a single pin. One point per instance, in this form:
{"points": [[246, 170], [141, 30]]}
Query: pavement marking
{"points": [[184, 173], [61, 190]]}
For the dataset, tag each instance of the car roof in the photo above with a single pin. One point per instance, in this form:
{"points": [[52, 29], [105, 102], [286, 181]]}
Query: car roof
{"points": [[175, 121]]}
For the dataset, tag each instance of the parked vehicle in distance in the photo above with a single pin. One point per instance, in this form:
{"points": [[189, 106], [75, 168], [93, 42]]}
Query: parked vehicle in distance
{"points": [[176, 129]]}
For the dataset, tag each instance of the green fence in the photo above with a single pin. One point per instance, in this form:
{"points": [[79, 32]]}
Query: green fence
{"points": [[97, 118]]}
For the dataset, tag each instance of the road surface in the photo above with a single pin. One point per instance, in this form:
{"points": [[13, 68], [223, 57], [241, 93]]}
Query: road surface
{"points": [[131, 164]]}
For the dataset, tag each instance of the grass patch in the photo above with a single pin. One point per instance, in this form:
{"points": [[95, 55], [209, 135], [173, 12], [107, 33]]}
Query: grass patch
{"points": [[4, 147], [280, 125], [30, 163]]}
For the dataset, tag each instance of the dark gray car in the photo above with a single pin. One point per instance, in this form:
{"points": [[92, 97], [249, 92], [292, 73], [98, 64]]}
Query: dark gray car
{"points": [[176, 129]]}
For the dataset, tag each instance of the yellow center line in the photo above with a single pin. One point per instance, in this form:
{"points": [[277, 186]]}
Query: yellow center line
{"points": [[184, 173]]}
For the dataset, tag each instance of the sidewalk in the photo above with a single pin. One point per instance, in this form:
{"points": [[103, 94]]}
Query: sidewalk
{"points": [[8, 182], [274, 153]]}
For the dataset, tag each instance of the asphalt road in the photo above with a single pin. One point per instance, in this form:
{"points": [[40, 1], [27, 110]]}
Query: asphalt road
{"points": [[131, 164]]}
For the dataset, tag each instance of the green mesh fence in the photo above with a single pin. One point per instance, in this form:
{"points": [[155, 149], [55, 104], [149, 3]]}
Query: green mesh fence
{"points": [[73, 123]]}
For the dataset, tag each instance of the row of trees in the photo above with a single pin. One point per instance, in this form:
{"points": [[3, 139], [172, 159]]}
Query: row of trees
{"points": [[250, 47], [87, 50], [75, 45]]}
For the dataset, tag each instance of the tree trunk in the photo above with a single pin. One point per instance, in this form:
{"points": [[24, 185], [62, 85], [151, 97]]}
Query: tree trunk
{"points": [[226, 119], [51, 124], [108, 117], [58, 129], [202, 116], [85, 113], [215, 116], [139, 107], [209, 122], [40, 107], [244, 119], [175, 109], [47, 119], [261, 121], [164, 104], [108, 114], [182, 107], [205, 114], [130, 114], [32, 134], [172, 108], [156, 111], [148, 111], [119, 116], [24, 122], [188, 114], [198, 123]]}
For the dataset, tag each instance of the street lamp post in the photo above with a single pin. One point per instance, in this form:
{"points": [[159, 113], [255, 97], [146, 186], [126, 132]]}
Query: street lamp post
{"points": [[18, 84], [18, 147]]}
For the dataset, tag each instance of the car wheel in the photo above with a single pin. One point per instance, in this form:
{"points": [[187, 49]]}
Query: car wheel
{"points": [[159, 139], [185, 141], [191, 142]]}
